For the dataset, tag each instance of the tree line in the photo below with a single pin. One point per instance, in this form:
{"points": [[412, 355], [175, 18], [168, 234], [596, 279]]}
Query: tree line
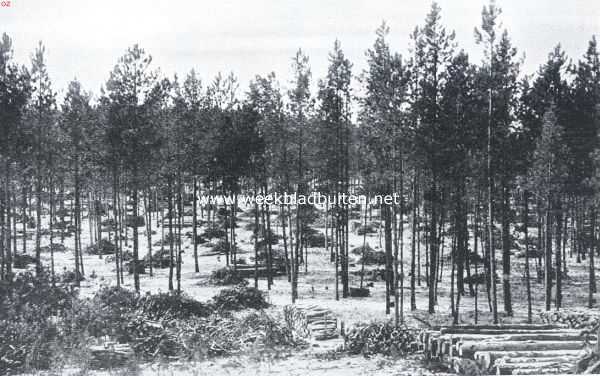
{"points": [[485, 157]]}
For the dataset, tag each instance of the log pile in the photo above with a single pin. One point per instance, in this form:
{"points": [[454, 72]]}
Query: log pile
{"points": [[110, 355], [582, 319], [512, 349], [314, 321]]}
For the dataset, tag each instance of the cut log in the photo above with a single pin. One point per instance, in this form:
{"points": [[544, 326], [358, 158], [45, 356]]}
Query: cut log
{"points": [[503, 327], [506, 331], [468, 348], [487, 358], [547, 336], [110, 355], [533, 368]]}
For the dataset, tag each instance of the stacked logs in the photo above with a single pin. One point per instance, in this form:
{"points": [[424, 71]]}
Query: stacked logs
{"points": [[317, 322], [573, 319], [110, 354], [514, 349]]}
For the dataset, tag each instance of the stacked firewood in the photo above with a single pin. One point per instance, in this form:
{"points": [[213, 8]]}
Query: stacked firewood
{"points": [[110, 354], [581, 319], [380, 338]]}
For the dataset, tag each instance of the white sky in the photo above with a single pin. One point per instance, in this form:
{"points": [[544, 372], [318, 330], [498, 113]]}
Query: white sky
{"points": [[84, 38]]}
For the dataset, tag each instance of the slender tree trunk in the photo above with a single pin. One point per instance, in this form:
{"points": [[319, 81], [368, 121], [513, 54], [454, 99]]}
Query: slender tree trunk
{"points": [[506, 249], [135, 261], [148, 220], [548, 257], [195, 224], [433, 249], [413, 261], [38, 219], [592, 274], [116, 220], [171, 236], [559, 219], [78, 271], [527, 276]]}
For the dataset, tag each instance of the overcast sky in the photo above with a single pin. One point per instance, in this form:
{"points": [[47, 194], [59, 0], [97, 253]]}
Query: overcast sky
{"points": [[84, 38]]}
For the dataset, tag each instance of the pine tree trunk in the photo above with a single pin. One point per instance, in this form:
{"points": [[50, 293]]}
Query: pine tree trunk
{"points": [[171, 236], [148, 221], [558, 264], [433, 249], [592, 274], [548, 257], [115, 224], [389, 275], [506, 249], [38, 220], [76, 218], [413, 271], [195, 224], [256, 224], [135, 261]]}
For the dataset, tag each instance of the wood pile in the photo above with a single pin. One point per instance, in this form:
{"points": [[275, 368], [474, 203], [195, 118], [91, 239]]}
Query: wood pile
{"points": [[510, 349], [582, 319], [110, 355], [247, 271], [314, 321]]}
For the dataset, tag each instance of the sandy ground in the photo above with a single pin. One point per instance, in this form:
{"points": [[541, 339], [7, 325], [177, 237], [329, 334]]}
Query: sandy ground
{"points": [[316, 286]]}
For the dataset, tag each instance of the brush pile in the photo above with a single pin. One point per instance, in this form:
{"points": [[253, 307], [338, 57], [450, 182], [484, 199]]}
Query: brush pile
{"points": [[226, 276], [103, 247], [240, 297]]}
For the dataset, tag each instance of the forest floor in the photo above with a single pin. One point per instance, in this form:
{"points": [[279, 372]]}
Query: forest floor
{"points": [[316, 286]]}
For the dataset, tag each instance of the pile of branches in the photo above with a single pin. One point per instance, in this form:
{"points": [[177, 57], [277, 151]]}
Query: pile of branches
{"points": [[21, 260], [222, 247], [380, 338], [240, 297], [226, 276], [103, 247], [213, 232], [28, 303], [369, 256], [580, 319], [167, 306], [161, 258], [55, 247]]}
